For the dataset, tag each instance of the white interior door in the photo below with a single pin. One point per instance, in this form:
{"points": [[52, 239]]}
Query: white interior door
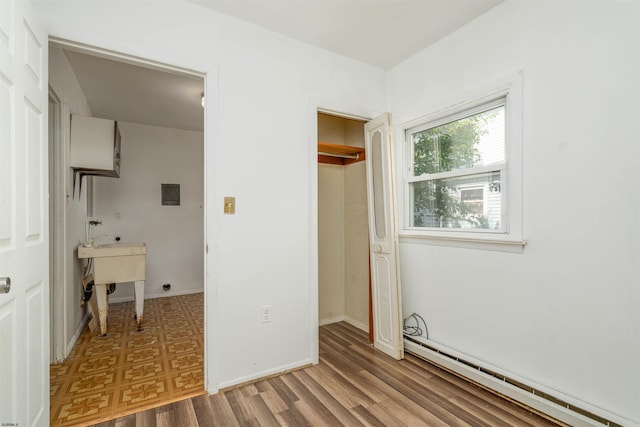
{"points": [[24, 305], [385, 286]]}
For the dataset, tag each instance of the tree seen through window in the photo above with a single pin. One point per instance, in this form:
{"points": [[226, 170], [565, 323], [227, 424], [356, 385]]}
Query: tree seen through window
{"points": [[454, 186]]}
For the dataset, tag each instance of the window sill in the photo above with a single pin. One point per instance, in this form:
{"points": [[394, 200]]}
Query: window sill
{"points": [[466, 242]]}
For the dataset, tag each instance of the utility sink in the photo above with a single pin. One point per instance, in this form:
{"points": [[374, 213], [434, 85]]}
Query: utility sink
{"points": [[117, 263], [112, 249]]}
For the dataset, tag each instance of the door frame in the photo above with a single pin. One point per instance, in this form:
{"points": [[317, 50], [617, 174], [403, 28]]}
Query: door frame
{"points": [[57, 228], [347, 111], [210, 373]]}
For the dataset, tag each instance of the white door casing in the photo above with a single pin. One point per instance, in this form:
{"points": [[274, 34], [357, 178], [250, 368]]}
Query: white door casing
{"points": [[24, 257], [383, 241]]}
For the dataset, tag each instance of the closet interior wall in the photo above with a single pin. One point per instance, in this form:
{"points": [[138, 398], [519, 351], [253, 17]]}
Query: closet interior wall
{"points": [[343, 263]]}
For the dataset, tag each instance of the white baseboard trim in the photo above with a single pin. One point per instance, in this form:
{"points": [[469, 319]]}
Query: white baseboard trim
{"points": [[76, 335], [331, 320], [526, 397], [344, 318], [357, 324], [263, 374]]}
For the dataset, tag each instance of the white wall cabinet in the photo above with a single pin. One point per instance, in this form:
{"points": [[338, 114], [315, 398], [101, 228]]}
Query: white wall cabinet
{"points": [[95, 146]]}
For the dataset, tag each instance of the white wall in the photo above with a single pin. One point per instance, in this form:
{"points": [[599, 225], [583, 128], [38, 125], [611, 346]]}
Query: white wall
{"points": [[64, 83], [565, 313], [130, 207], [260, 147], [356, 233], [331, 265]]}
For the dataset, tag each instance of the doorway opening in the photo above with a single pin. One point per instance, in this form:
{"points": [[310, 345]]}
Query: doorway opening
{"points": [[344, 287], [159, 110]]}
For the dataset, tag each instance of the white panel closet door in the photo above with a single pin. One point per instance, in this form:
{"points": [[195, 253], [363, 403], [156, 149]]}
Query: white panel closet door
{"points": [[24, 258], [383, 245]]}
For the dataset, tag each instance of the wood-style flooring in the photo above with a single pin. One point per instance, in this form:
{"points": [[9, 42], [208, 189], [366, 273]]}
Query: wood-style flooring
{"points": [[353, 385]]}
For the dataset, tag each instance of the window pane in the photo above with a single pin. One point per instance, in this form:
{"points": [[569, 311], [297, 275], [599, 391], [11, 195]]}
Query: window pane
{"points": [[378, 182], [472, 141], [468, 202]]}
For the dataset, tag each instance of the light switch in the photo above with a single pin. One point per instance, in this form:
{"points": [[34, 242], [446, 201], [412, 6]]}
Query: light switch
{"points": [[230, 205]]}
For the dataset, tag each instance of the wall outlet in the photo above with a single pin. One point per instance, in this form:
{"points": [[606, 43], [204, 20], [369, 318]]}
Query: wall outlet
{"points": [[166, 286], [265, 314]]}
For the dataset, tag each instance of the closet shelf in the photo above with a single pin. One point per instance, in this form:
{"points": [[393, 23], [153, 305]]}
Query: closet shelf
{"points": [[337, 154]]}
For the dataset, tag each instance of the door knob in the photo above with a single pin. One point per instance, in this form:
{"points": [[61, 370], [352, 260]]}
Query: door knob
{"points": [[5, 285]]}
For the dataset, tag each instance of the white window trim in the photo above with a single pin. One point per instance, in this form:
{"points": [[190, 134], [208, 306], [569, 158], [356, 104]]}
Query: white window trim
{"points": [[456, 173], [509, 239]]}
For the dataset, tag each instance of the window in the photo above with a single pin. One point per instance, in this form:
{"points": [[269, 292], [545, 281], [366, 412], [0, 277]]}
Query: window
{"points": [[457, 171], [463, 168]]}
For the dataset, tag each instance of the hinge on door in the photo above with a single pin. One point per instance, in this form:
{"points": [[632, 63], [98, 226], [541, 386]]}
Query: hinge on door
{"points": [[206, 248]]}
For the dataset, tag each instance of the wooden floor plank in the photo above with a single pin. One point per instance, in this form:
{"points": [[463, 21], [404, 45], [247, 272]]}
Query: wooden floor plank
{"points": [[283, 390], [185, 412], [263, 386], [339, 411], [273, 401], [203, 408], [354, 384], [386, 417], [146, 418], [292, 417], [262, 412], [309, 403], [165, 416], [345, 391], [412, 414], [222, 413], [367, 417], [241, 410], [455, 386], [399, 391], [494, 419], [375, 391], [129, 421], [392, 373]]}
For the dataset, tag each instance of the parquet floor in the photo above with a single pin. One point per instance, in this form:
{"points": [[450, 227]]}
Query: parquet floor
{"points": [[128, 371], [353, 385]]}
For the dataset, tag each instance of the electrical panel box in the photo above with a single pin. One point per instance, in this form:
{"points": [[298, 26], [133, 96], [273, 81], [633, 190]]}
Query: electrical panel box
{"points": [[95, 146]]}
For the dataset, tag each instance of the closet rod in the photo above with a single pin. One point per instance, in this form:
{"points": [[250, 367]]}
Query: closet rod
{"points": [[342, 156]]}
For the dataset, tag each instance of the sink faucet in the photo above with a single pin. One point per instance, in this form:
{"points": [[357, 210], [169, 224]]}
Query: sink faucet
{"points": [[88, 237]]}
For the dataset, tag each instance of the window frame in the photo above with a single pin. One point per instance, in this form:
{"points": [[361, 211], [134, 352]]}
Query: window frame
{"points": [[510, 238], [501, 167]]}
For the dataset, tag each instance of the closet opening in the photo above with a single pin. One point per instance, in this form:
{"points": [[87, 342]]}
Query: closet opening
{"points": [[344, 286]]}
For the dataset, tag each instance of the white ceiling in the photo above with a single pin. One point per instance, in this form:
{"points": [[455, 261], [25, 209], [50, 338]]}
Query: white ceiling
{"points": [[120, 91], [381, 33]]}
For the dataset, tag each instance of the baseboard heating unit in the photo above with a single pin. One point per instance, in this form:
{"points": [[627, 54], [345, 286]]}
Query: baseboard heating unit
{"points": [[535, 398]]}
